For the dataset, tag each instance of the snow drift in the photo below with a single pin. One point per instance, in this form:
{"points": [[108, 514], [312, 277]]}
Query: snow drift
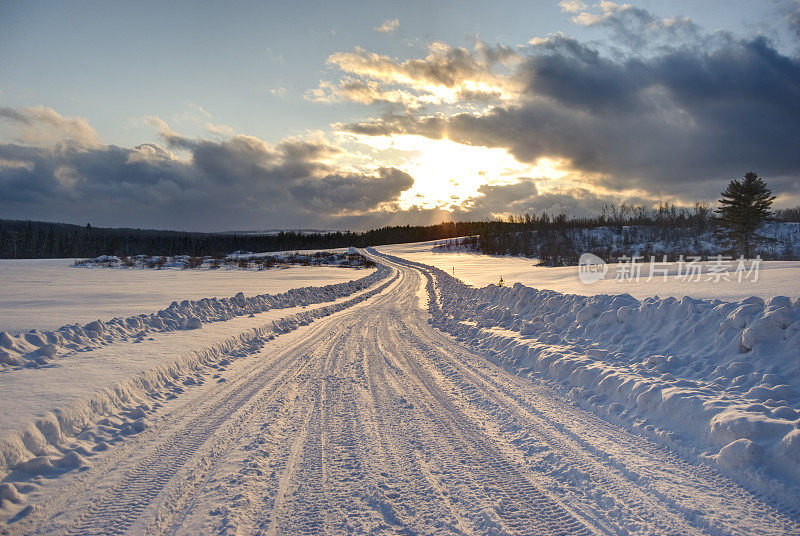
{"points": [[67, 436], [719, 378], [36, 348]]}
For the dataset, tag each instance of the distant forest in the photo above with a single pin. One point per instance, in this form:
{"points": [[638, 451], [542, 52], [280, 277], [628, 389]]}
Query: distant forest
{"points": [[625, 230], [557, 241], [45, 240]]}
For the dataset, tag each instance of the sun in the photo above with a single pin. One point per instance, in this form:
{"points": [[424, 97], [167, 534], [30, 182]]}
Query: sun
{"points": [[446, 173]]}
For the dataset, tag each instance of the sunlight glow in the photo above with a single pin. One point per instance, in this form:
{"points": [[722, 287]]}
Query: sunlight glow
{"points": [[447, 173]]}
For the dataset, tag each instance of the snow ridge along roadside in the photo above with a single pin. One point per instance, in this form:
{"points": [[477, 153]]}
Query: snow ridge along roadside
{"points": [[718, 380], [36, 348], [65, 437]]}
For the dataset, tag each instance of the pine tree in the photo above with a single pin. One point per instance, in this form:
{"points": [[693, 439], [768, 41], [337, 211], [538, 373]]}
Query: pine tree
{"points": [[743, 209]]}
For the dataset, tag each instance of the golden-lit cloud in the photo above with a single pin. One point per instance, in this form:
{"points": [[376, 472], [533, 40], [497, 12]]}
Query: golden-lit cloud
{"points": [[43, 126], [446, 75], [367, 92], [667, 124]]}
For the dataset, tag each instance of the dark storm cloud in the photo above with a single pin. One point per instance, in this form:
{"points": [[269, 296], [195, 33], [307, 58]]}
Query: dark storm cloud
{"points": [[677, 122], [579, 77], [241, 182], [352, 192]]}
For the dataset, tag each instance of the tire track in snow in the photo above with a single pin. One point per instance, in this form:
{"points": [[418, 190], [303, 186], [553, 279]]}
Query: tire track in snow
{"points": [[645, 475], [119, 509], [500, 496], [273, 440], [639, 509], [705, 498], [379, 423], [398, 469], [264, 421], [322, 498], [189, 424], [491, 490]]}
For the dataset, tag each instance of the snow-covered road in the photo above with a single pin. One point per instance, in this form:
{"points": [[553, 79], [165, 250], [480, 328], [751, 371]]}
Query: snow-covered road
{"points": [[372, 421]]}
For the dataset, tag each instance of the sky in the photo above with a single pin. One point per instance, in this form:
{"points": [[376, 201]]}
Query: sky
{"points": [[353, 115]]}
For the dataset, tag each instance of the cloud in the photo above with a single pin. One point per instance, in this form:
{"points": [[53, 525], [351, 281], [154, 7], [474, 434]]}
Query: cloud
{"points": [[526, 196], [571, 6], [633, 26], [351, 89], [40, 125], [223, 130], [660, 109], [447, 74], [388, 26], [345, 193], [679, 121], [240, 182], [444, 66], [793, 18]]}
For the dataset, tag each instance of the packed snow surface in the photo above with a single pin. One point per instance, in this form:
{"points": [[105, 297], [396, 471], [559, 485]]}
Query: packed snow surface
{"points": [[708, 372], [49, 293], [406, 402], [775, 278]]}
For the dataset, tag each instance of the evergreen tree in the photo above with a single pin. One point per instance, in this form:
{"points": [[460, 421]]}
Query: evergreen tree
{"points": [[743, 209]]}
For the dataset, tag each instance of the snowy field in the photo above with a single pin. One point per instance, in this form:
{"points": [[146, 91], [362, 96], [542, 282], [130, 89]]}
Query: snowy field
{"points": [[776, 278], [406, 402], [50, 293]]}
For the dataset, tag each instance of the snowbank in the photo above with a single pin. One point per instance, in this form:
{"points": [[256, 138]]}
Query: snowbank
{"points": [[65, 437], [721, 378], [35, 348]]}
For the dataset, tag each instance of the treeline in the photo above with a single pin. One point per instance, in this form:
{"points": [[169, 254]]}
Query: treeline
{"points": [[557, 241], [41, 240], [623, 230]]}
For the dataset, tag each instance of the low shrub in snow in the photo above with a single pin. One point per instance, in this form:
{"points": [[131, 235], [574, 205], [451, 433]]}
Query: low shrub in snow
{"points": [[350, 259]]}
